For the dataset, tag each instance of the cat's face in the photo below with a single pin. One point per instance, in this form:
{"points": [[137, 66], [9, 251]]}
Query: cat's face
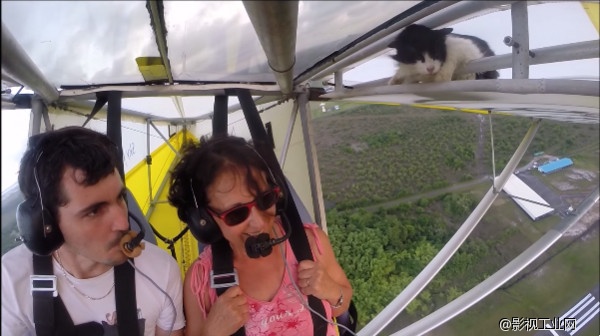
{"points": [[421, 48]]}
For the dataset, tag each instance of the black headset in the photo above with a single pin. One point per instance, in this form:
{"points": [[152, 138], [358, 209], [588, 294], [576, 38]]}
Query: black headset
{"points": [[40, 232], [206, 230], [37, 226], [202, 226]]}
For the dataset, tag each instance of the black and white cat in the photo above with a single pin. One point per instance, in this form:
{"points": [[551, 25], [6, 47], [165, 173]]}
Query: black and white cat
{"points": [[427, 55]]}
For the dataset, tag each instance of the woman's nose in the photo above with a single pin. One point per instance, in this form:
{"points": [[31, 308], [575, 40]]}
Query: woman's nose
{"points": [[256, 221]]}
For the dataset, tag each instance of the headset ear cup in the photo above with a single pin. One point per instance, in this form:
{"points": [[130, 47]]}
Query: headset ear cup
{"points": [[281, 196], [281, 202], [37, 227], [203, 226]]}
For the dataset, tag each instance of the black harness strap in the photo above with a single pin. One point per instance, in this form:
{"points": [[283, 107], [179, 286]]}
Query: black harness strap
{"points": [[222, 254], [298, 239], [219, 122], [127, 317], [51, 317], [222, 260], [48, 309], [43, 300]]}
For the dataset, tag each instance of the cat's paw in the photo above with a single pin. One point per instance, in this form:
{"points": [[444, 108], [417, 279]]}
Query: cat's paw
{"points": [[441, 77], [470, 76], [395, 81], [425, 79]]}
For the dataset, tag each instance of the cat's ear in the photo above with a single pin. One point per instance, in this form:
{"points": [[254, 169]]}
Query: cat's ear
{"points": [[445, 31]]}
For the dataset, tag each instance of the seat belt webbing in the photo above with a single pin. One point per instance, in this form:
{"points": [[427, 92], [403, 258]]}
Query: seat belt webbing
{"points": [[51, 317], [125, 299], [222, 260], [298, 239], [43, 301]]}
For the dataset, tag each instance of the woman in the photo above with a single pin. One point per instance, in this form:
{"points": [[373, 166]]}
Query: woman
{"points": [[225, 183]]}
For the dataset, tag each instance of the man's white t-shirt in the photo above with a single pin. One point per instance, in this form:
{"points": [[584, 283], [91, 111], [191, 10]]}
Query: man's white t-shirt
{"points": [[154, 307]]}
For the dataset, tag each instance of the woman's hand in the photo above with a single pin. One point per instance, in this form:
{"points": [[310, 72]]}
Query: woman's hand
{"points": [[314, 280], [228, 314]]}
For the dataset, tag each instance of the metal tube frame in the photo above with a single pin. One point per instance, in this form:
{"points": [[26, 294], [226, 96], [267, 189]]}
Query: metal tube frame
{"points": [[560, 53], [288, 135], [157, 17], [37, 109], [485, 288], [520, 30], [518, 86], [275, 24], [380, 321], [18, 65], [312, 162]]}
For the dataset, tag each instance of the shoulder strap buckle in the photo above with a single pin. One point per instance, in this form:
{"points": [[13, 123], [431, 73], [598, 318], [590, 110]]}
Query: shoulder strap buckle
{"points": [[221, 280], [43, 283]]}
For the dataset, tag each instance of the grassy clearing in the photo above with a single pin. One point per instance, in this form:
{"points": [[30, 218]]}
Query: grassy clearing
{"points": [[543, 294]]}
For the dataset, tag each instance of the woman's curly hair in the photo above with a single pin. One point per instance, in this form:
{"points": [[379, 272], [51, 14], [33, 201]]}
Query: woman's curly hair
{"points": [[202, 162]]}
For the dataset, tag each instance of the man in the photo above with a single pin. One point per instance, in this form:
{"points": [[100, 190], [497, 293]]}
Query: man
{"points": [[75, 212]]}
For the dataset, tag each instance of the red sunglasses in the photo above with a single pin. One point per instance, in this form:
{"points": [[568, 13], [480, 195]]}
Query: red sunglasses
{"points": [[240, 213]]}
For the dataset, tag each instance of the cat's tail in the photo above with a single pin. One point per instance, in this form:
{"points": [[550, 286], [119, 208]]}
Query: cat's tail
{"points": [[487, 75]]}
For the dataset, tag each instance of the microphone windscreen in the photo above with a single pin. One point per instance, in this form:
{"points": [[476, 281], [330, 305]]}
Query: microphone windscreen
{"points": [[258, 246], [131, 251]]}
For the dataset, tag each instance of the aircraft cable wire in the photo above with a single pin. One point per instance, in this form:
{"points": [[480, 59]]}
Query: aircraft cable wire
{"points": [[301, 297], [170, 242], [160, 289], [527, 200], [493, 158]]}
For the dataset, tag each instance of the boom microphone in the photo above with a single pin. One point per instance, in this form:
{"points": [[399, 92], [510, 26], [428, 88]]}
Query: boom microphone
{"points": [[131, 242], [262, 246]]}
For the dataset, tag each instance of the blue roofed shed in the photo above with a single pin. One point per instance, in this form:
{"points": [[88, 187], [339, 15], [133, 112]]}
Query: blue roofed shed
{"points": [[553, 166]]}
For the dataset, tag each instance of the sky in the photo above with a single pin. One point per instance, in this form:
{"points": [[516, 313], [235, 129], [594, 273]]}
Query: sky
{"points": [[15, 127], [549, 24]]}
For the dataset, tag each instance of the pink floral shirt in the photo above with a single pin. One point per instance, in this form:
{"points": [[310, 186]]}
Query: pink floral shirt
{"points": [[284, 315]]}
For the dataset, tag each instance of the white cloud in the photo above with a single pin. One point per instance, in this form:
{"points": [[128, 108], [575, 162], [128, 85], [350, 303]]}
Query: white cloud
{"points": [[15, 130]]}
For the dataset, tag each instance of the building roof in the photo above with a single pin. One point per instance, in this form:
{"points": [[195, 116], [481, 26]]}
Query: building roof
{"points": [[555, 165], [520, 192]]}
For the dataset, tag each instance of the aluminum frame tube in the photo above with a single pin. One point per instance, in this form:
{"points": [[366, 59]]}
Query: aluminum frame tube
{"points": [[19, 66], [288, 135], [183, 90], [339, 80], [435, 265], [560, 53], [149, 169], [518, 86], [275, 23], [160, 33], [165, 139], [153, 201], [163, 184], [520, 30], [312, 162], [486, 287], [37, 110]]}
